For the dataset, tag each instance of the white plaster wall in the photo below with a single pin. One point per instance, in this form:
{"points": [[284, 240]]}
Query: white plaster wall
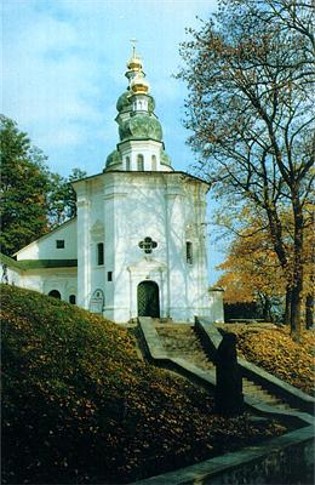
{"points": [[63, 280], [216, 305], [195, 231], [121, 209], [139, 214], [147, 148], [10, 276], [156, 207], [43, 280], [45, 247]]}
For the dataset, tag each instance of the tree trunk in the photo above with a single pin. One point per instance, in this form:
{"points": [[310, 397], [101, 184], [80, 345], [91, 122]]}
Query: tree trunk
{"points": [[297, 281], [310, 300], [296, 306], [266, 309], [287, 311], [309, 311]]}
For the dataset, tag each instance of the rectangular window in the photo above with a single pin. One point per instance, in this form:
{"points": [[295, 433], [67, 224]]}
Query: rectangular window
{"points": [[110, 276], [60, 243], [100, 254], [189, 252]]}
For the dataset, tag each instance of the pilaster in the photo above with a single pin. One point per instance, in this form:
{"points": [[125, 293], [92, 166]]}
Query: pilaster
{"points": [[84, 252]]}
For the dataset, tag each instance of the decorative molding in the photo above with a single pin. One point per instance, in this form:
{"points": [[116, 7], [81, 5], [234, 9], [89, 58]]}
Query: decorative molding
{"points": [[97, 230]]}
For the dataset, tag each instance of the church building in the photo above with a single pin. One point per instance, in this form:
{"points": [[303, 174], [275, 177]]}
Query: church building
{"points": [[138, 244]]}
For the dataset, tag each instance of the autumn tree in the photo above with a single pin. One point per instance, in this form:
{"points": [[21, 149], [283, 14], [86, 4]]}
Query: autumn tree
{"points": [[309, 271], [251, 271], [250, 74]]}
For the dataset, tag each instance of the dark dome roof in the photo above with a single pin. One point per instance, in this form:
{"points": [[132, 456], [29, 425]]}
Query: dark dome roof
{"points": [[141, 126], [123, 102], [165, 159], [113, 158]]}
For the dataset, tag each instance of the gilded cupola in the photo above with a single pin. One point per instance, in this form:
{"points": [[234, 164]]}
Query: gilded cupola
{"points": [[137, 121]]}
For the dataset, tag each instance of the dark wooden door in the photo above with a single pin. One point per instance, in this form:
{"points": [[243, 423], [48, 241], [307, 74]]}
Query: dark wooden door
{"points": [[148, 299]]}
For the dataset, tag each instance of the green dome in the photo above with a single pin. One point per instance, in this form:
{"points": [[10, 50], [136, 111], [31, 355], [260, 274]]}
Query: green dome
{"points": [[165, 159], [123, 102], [151, 104], [141, 126], [113, 159]]}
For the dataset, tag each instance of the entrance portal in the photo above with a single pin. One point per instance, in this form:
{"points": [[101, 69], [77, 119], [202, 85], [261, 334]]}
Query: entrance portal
{"points": [[148, 299]]}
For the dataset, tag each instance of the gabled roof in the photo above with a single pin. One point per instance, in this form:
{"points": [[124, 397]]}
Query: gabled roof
{"points": [[10, 262], [45, 236]]}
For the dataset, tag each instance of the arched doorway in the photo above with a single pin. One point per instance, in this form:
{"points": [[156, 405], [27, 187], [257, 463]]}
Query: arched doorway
{"points": [[148, 299], [55, 294]]}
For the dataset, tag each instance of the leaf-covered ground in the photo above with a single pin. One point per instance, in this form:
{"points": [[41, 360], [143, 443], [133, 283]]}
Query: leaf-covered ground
{"points": [[273, 349], [80, 407]]}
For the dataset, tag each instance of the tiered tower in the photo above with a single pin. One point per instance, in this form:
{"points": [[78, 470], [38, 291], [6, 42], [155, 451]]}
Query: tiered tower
{"points": [[138, 244], [141, 225], [140, 131]]}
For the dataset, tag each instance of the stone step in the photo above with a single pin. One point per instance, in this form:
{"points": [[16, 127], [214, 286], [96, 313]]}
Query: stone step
{"points": [[258, 392], [181, 340]]}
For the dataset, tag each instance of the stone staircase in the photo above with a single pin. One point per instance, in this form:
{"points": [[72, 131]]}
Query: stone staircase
{"points": [[182, 341]]}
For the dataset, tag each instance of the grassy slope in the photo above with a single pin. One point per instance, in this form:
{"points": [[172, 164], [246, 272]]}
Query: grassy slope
{"points": [[274, 350], [80, 407]]}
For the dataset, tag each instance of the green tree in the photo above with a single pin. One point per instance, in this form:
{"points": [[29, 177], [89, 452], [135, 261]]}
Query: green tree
{"points": [[250, 74], [62, 197], [23, 188], [33, 199]]}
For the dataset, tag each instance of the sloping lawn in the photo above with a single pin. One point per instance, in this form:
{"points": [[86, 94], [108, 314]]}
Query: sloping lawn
{"points": [[273, 349], [80, 407]]}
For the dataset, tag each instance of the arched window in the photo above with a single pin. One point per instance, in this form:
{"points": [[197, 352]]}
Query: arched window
{"points": [[72, 299], [55, 294], [140, 162], [153, 163], [127, 163]]}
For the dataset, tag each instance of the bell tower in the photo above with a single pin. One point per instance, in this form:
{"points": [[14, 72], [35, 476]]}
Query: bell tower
{"points": [[141, 224], [141, 146]]}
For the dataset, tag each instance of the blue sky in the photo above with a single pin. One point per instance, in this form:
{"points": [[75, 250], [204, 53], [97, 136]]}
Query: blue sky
{"points": [[63, 70]]}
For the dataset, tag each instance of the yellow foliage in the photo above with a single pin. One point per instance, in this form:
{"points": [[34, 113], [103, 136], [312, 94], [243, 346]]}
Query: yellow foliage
{"points": [[274, 350]]}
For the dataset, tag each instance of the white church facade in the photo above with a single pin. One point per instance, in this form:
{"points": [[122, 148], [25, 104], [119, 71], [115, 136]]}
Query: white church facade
{"points": [[138, 244]]}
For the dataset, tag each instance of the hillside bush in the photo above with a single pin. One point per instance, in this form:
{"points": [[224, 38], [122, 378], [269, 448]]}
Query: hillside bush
{"points": [[79, 406]]}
